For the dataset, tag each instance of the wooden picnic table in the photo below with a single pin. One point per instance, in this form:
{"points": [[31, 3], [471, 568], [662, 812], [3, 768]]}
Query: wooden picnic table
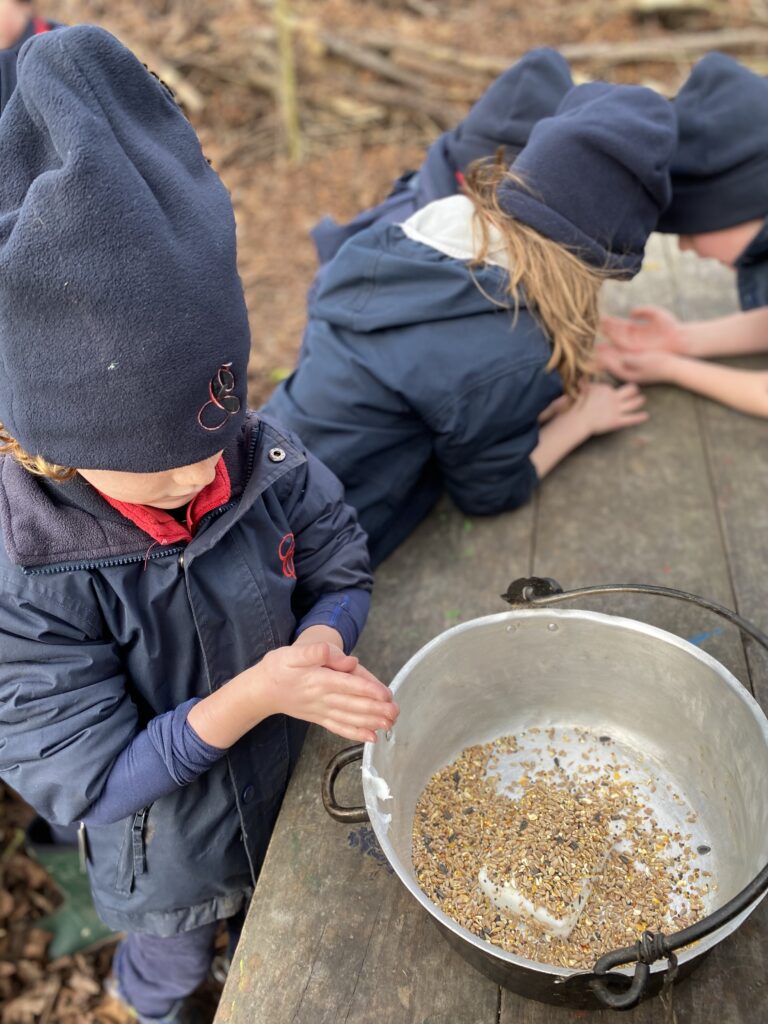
{"points": [[332, 936]]}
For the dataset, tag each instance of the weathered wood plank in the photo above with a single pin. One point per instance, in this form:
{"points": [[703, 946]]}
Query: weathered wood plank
{"points": [[638, 506], [737, 452], [642, 507]]}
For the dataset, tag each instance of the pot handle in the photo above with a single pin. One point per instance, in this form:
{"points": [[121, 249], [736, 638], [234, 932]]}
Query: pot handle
{"points": [[542, 591], [337, 763], [651, 946]]}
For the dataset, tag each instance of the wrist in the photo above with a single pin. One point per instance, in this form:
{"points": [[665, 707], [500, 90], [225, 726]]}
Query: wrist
{"points": [[685, 341], [258, 694], [579, 421], [675, 370], [319, 634]]}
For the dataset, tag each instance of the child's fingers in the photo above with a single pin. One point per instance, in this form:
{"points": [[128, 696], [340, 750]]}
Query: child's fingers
{"points": [[630, 403], [636, 405], [355, 721], [634, 419], [614, 328], [363, 672], [628, 390], [352, 684], [613, 361], [359, 735], [361, 706], [645, 312]]}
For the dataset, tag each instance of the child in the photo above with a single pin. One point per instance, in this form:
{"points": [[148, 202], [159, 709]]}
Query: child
{"points": [[180, 580], [502, 117], [434, 348], [18, 23], [719, 208]]}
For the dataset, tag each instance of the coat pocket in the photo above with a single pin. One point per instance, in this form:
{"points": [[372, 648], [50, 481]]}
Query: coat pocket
{"points": [[132, 860]]}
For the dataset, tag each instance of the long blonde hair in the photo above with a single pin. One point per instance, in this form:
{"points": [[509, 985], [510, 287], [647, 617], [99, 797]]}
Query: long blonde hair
{"points": [[33, 463], [559, 289]]}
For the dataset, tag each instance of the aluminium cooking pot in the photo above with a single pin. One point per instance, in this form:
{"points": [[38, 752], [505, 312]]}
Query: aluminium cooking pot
{"points": [[657, 695]]}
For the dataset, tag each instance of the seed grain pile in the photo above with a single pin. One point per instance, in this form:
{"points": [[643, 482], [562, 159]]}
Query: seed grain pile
{"points": [[572, 841]]}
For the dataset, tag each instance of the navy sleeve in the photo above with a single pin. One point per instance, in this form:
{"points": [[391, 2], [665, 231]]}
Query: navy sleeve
{"points": [[65, 713], [483, 438], [344, 610], [164, 756]]}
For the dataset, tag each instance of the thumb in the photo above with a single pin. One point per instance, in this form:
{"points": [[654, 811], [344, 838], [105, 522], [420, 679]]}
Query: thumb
{"points": [[647, 313], [339, 661], [305, 655]]}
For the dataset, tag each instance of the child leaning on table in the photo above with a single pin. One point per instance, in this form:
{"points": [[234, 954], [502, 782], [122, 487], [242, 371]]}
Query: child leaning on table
{"points": [[436, 347], [719, 209], [180, 579]]}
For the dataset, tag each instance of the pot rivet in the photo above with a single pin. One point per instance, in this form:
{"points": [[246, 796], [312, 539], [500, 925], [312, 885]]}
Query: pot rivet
{"points": [[552, 627], [388, 734]]}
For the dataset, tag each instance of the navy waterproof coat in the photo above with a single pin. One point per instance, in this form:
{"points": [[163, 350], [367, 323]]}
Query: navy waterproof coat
{"points": [[98, 635], [414, 375]]}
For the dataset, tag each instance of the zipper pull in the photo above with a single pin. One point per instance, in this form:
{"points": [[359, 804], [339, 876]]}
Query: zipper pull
{"points": [[82, 848]]}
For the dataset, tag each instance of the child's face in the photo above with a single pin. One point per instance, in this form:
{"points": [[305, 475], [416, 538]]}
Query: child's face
{"points": [[170, 489], [14, 15], [725, 245]]}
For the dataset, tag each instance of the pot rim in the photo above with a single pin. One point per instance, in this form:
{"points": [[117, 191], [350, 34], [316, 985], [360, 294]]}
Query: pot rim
{"points": [[612, 621]]}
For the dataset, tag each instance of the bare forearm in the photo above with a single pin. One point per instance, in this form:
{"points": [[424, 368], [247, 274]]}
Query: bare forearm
{"points": [[231, 711], [557, 439], [734, 335], [745, 390]]}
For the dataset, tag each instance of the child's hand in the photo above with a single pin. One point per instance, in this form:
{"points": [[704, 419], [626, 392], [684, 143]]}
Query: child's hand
{"points": [[637, 367], [318, 683], [604, 408], [648, 328]]}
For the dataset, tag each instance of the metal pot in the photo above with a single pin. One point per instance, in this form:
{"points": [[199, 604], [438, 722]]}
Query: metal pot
{"points": [[651, 690]]}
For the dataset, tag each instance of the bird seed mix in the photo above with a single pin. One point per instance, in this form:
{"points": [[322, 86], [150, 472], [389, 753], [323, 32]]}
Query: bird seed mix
{"points": [[552, 852]]}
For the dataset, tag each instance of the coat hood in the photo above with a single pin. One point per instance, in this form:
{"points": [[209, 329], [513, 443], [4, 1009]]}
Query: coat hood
{"points": [[382, 279]]}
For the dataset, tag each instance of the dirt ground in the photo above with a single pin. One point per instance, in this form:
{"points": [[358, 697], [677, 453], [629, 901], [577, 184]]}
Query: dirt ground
{"points": [[362, 123]]}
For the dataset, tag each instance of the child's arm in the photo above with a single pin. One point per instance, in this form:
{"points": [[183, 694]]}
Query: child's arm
{"points": [[650, 328], [65, 712], [311, 680], [493, 450], [745, 390], [600, 410]]}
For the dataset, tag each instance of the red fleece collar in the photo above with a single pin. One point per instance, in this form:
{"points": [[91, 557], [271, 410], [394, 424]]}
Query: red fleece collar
{"points": [[161, 526]]}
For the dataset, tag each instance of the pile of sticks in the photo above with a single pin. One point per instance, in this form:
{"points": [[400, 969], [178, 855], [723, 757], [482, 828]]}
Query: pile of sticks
{"points": [[270, 76]]}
